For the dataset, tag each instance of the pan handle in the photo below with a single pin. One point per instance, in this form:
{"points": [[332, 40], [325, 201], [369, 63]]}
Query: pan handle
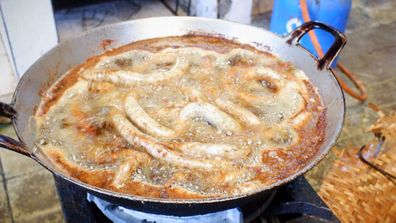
{"points": [[339, 41], [8, 111]]}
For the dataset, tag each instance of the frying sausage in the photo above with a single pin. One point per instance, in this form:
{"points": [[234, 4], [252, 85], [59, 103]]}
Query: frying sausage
{"points": [[238, 112], [135, 137], [126, 169], [140, 118], [211, 114], [130, 78], [196, 149]]}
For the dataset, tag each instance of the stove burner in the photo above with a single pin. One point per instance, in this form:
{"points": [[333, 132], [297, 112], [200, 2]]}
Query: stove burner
{"points": [[293, 202], [120, 214]]}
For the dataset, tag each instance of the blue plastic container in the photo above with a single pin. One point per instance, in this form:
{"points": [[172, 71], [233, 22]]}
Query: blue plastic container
{"points": [[287, 15]]}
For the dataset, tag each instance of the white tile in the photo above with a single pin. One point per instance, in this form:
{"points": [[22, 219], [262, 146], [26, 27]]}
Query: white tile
{"points": [[2, 48], [33, 196], [4, 37], [31, 30], [8, 80]]}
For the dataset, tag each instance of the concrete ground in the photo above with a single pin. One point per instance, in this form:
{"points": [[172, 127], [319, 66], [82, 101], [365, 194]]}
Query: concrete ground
{"points": [[27, 192]]}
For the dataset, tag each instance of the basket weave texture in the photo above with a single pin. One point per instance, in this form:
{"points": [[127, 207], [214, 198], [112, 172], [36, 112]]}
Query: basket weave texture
{"points": [[355, 192]]}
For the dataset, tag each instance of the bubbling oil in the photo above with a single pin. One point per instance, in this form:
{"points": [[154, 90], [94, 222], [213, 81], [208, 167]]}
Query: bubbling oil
{"points": [[79, 125]]}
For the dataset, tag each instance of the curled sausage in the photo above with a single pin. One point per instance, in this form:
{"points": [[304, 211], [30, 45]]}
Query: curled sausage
{"points": [[238, 112], [242, 57], [211, 114], [301, 119], [126, 169], [140, 118], [129, 78], [196, 149], [268, 78], [276, 107], [195, 51], [130, 56], [135, 137], [261, 72]]}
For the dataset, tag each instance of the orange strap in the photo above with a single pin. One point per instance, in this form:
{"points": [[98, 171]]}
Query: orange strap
{"points": [[362, 95]]}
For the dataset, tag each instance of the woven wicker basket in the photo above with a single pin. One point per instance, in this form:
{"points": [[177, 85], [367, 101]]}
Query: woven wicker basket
{"points": [[356, 192]]}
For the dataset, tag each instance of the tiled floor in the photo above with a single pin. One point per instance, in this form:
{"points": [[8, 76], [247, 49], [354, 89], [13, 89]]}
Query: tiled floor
{"points": [[7, 77], [27, 192], [30, 191]]}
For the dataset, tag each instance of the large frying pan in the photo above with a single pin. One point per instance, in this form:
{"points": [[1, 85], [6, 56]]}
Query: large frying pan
{"points": [[73, 52]]}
